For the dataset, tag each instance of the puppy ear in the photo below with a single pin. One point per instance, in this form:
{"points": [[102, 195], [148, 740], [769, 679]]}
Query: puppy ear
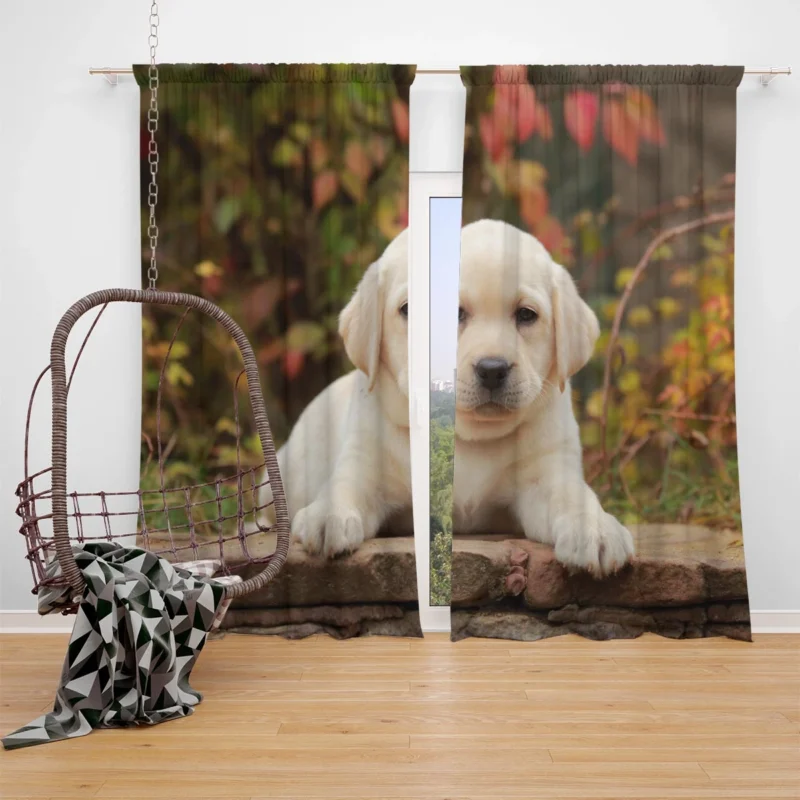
{"points": [[575, 327], [361, 324]]}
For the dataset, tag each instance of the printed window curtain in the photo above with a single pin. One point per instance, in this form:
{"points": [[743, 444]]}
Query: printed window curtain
{"points": [[595, 480], [283, 196]]}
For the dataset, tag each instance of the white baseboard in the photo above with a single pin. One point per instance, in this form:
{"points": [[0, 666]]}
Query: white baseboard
{"points": [[775, 621], [436, 628], [31, 622]]}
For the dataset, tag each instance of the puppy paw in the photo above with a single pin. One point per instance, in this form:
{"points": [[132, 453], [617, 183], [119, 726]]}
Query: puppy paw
{"points": [[597, 543], [308, 528], [329, 531]]}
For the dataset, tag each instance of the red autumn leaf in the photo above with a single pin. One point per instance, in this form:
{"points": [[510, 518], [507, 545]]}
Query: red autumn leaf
{"points": [[550, 233], [492, 137], [680, 349], [293, 363], [318, 151], [580, 116], [651, 130], [544, 123], [620, 131], [676, 398], [400, 118], [718, 337], [615, 88], [510, 73], [712, 305], [668, 392], [324, 188], [212, 285], [516, 111], [527, 112], [504, 105], [378, 150], [357, 160], [642, 111], [259, 303], [270, 352]]}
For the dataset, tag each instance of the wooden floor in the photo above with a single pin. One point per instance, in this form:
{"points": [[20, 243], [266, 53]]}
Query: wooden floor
{"points": [[384, 718]]}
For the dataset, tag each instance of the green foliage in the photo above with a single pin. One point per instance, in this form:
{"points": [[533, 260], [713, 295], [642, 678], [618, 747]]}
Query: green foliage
{"points": [[443, 408], [670, 418], [442, 431], [273, 200], [441, 474], [441, 557]]}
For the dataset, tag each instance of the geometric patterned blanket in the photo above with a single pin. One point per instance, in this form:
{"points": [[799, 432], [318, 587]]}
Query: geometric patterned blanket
{"points": [[140, 627]]}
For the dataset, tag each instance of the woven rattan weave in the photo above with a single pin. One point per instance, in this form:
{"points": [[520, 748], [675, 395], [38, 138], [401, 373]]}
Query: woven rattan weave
{"points": [[222, 519]]}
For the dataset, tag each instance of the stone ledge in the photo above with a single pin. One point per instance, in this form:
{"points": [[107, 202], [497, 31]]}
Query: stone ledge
{"points": [[381, 571], [511, 587], [515, 588], [702, 566], [593, 623], [341, 622], [675, 565]]}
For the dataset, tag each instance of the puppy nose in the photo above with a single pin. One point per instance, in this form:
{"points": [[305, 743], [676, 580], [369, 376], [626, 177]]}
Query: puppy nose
{"points": [[492, 372]]}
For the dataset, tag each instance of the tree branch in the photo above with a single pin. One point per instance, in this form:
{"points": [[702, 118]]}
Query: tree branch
{"points": [[652, 214], [664, 236]]}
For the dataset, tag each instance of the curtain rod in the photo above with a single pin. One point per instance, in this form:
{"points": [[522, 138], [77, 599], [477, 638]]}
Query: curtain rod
{"points": [[767, 73]]}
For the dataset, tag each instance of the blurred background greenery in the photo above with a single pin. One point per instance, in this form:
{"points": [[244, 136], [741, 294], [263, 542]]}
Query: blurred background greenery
{"points": [[442, 449], [278, 186]]}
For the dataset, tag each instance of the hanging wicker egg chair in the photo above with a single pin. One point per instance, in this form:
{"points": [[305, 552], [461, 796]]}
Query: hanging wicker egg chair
{"points": [[221, 519]]}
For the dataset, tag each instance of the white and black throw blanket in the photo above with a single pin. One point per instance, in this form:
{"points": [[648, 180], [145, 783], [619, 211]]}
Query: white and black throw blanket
{"points": [[139, 629]]}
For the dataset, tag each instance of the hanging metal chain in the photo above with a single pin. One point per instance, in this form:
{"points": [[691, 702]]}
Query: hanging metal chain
{"points": [[152, 152]]}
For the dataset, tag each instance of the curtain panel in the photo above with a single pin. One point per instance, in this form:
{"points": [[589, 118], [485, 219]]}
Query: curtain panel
{"points": [[596, 472], [283, 199]]}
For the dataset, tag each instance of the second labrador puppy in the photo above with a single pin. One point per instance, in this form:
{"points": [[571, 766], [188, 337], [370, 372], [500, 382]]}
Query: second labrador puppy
{"points": [[346, 465], [523, 332]]}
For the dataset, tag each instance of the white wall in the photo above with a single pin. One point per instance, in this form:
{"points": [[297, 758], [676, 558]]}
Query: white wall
{"points": [[69, 215]]}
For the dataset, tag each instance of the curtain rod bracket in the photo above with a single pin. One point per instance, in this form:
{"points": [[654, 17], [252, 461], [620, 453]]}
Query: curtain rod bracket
{"points": [[768, 76], [109, 73]]}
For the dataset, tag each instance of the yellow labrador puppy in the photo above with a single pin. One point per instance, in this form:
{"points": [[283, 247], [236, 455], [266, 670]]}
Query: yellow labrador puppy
{"points": [[523, 332], [346, 465]]}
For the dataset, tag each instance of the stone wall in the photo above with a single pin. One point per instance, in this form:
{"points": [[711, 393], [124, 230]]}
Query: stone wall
{"points": [[370, 592], [686, 581]]}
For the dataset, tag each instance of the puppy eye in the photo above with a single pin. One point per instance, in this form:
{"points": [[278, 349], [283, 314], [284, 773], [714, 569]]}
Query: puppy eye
{"points": [[462, 315], [404, 310], [526, 316]]}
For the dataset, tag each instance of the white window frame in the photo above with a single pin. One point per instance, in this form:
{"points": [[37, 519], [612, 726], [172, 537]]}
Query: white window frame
{"points": [[424, 186], [437, 107]]}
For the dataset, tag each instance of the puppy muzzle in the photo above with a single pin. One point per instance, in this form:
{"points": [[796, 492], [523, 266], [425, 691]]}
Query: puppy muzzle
{"points": [[492, 373]]}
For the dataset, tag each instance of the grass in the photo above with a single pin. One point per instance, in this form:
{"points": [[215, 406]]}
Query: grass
{"points": [[691, 496]]}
